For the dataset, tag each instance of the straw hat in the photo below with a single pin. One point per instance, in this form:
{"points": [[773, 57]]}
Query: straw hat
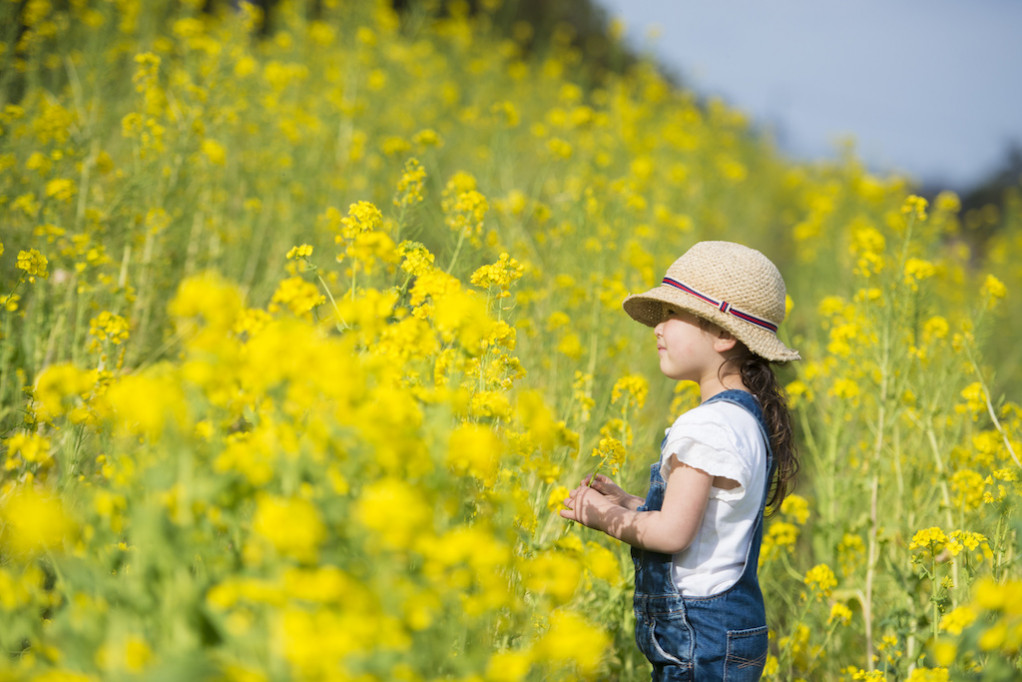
{"points": [[732, 286]]}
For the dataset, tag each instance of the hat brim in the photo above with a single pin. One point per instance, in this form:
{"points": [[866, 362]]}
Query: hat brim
{"points": [[647, 308]]}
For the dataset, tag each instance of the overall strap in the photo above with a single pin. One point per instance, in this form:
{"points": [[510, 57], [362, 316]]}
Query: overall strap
{"points": [[751, 404]]}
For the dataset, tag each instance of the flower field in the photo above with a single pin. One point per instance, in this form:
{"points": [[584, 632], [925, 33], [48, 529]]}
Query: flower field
{"points": [[303, 339]]}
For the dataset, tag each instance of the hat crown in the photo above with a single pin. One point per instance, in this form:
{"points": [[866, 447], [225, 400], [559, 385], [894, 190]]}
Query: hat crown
{"points": [[736, 274]]}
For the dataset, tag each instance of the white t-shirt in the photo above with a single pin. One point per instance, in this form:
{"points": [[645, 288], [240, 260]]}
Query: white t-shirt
{"points": [[722, 439]]}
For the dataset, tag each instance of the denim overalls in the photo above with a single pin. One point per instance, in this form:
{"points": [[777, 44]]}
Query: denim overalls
{"points": [[719, 637]]}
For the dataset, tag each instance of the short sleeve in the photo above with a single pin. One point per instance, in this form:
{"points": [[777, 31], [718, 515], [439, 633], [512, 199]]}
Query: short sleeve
{"points": [[709, 440]]}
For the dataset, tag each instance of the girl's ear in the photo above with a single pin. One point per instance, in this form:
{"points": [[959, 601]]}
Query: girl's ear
{"points": [[724, 341]]}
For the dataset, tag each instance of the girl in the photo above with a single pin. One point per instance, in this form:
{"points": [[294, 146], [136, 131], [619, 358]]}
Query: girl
{"points": [[696, 536]]}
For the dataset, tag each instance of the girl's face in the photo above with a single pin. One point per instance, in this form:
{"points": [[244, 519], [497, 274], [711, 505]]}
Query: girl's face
{"points": [[687, 350]]}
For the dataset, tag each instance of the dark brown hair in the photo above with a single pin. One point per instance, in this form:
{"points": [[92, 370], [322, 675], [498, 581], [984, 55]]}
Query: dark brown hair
{"points": [[758, 376]]}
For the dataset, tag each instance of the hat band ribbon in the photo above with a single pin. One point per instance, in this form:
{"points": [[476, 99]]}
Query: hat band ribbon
{"points": [[723, 306]]}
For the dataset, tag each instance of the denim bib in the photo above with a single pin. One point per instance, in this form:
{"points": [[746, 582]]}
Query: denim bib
{"points": [[719, 637]]}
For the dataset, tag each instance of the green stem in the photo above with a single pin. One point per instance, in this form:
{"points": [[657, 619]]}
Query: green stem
{"points": [[457, 250]]}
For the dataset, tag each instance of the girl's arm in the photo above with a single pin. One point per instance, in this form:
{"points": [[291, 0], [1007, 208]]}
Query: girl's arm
{"points": [[668, 531]]}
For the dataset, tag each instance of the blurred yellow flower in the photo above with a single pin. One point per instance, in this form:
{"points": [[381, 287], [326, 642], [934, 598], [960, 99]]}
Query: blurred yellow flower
{"points": [[915, 206], [474, 449], [33, 521], [797, 507], [395, 512], [292, 526], [33, 263], [958, 619]]}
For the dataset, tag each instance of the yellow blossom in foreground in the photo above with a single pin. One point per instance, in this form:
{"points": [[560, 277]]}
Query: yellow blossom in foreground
{"points": [[553, 574], [57, 389], [395, 512], [293, 526], [957, 620], [555, 501], [32, 521], [508, 666], [572, 640], [474, 449]]}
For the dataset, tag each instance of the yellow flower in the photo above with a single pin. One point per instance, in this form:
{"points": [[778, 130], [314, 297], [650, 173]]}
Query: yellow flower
{"points": [[474, 449], [303, 251], [820, 580], [214, 152], [935, 328], [845, 389], [409, 187], [60, 189], [633, 386], [929, 540], [992, 291], [57, 389], [553, 574], [571, 639], [395, 512], [297, 296], [33, 263], [967, 487], [840, 613], [362, 217], [32, 521], [957, 620], [916, 270], [107, 326], [555, 501], [292, 526], [915, 206], [975, 399], [796, 506], [500, 275], [508, 666], [611, 452]]}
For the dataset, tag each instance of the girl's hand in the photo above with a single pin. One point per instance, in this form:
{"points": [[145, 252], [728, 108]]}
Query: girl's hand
{"points": [[612, 490], [587, 506]]}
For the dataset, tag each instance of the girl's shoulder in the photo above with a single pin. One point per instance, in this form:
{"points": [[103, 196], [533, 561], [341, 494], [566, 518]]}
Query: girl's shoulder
{"points": [[718, 412], [718, 424]]}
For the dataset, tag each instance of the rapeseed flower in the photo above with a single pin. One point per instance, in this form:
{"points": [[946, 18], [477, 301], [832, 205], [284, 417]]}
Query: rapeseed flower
{"points": [[292, 526], [474, 450], [821, 581], [34, 264], [33, 521]]}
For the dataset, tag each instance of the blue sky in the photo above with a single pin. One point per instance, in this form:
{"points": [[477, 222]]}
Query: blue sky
{"points": [[927, 88]]}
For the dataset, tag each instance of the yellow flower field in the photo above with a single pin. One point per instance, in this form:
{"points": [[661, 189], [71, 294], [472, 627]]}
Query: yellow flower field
{"points": [[303, 339]]}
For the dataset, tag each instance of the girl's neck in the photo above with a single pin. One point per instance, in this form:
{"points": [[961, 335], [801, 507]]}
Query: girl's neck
{"points": [[712, 385]]}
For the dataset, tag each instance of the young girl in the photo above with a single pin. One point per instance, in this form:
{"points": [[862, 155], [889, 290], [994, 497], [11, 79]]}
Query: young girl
{"points": [[696, 536]]}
